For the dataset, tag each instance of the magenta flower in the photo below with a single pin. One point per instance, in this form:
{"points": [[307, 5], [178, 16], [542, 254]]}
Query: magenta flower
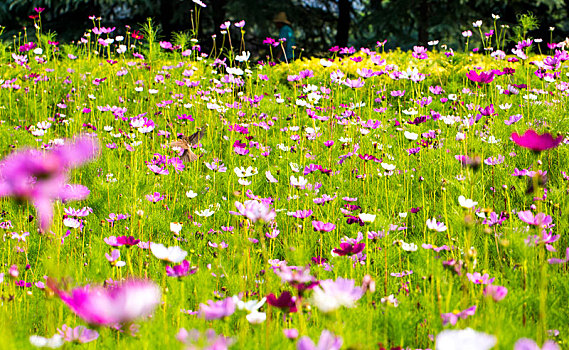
{"points": [[286, 301], [496, 292], [482, 78], [532, 140], [123, 302], [217, 309], [323, 226], [349, 248], [79, 334], [180, 270], [477, 278], [327, 341], [42, 178]]}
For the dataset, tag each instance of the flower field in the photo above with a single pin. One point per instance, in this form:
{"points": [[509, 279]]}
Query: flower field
{"points": [[155, 196]]}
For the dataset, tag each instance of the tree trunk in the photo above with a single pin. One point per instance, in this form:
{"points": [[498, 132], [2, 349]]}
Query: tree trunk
{"points": [[423, 22], [165, 19], [344, 21]]}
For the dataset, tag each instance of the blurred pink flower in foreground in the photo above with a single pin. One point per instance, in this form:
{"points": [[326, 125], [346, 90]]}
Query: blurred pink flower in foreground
{"points": [[41, 177], [532, 140], [255, 211], [106, 306]]}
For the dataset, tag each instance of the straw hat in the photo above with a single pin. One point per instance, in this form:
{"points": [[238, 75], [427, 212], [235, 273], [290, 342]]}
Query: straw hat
{"points": [[281, 18]]}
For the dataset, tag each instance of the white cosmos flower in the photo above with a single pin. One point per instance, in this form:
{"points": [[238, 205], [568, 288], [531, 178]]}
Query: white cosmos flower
{"points": [[242, 172], [270, 177], [176, 227], [387, 166], [172, 254], [410, 111], [464, 339], [191, 194], [244, 182], [234, 71], [205, 213], [41, 342], [250, 306], [256, 317], [326, 63], [466, 203], [409, 247], [432, 224], [301, 181], [295, 167], [367, 217], [411, 135]]}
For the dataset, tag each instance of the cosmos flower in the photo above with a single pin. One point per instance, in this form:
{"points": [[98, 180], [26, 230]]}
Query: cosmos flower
{"points": [[322, 226], [286, 301], [172, 254], [452, 317], [79, 334], [214, 310], [327, 341], [478, 278], [540, 219], [330, 295], [535, 142], [121, 303], [180, 270], [482, 77], [464, 339], [255, 211], [529, 344], [434, 225], [495, 292], [41, 178]]}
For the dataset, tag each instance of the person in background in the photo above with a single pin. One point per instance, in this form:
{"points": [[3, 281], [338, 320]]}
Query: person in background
{"points": [[285, 31]]}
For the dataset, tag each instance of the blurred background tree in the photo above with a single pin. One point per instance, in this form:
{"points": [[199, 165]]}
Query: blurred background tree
{"points": [[318, 24]]}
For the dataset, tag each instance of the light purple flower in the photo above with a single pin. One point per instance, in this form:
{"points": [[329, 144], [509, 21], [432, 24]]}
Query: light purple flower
{"points": [[330, 295], [327, 341], [529, 344], [255, 211], [79, 334], [217, 309]]}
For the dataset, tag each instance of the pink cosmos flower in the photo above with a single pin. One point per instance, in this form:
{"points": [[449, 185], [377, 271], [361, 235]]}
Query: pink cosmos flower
{"points": [[452, 317], [496, 292], [327, 341], [255, 211], [529, 344], [532, 140], [41, 177], [323, 226], [106, 306], [540, 219], [477, 278], [218, 309], [79, 334]]}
